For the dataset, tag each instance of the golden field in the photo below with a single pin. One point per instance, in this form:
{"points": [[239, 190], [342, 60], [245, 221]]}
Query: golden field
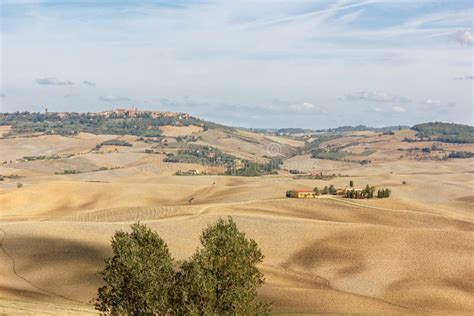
{"points": [[410, 253]]}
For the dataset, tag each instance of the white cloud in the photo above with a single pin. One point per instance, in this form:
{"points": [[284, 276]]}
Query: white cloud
{"points": [[308, 105], [377, 109], [432, 102], [437, 103], [305, 107], [464, 37], [464, 78], [88, 83], [398, 109], [241, 53], [374, 96], [113, 98], [51, 81]]}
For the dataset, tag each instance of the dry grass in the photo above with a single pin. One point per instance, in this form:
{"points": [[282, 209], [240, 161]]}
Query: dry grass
{"points": [[174, 131], [4, 130], [411, 253]]}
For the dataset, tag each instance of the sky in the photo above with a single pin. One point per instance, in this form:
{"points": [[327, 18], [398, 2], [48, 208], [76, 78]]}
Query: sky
{"points": [[261, 64]]}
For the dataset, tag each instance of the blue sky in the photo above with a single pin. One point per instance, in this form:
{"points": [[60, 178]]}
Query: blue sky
{"points": [[312, 64]]}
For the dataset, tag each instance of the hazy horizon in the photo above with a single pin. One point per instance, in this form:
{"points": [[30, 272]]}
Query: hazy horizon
{"points": [[245, 127], [257, 65]]}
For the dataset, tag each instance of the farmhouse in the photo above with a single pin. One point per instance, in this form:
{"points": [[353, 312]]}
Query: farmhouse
{"points": [[301, 194]]}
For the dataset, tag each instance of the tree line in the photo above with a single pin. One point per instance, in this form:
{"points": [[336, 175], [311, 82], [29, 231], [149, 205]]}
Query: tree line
{"points": [[351, 193]]}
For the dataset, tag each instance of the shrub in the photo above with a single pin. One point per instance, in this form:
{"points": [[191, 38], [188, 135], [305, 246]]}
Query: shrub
{"points": [[330, 154], [294, 171], [114, 142], [19, 185], [69, 171], [461, 154]]}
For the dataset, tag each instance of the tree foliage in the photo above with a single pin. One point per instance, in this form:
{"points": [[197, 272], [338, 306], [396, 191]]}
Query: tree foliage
{"points": [[326, 190], [445, 132], [461, 154], [221, 278], [138, 276], [383, 193]]}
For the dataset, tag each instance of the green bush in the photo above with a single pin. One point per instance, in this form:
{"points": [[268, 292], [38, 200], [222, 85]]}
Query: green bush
{"points": [[331, 154], [461, 154], [69, 171], [207, 155], [114, 142]]}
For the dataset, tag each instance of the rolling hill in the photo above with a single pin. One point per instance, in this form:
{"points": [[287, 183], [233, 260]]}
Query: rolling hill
{"points": [[410, 253]]}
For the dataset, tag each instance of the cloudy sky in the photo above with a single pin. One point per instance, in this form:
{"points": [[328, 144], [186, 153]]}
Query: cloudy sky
{"points": [[313, 64]]}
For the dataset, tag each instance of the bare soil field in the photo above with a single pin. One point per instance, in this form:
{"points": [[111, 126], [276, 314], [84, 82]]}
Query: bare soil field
{"points": [[410, 253]]}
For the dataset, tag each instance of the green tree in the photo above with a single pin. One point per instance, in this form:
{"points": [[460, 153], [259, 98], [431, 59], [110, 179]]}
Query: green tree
{"points": [[371, 194], [138, 276], [367, 191], [316, 191], [326, 190], [351, 184], [222, 277], [332, 190]]}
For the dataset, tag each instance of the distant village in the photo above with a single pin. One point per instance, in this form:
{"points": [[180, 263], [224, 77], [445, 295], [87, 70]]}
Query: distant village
{"points": [[128, 113]]}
